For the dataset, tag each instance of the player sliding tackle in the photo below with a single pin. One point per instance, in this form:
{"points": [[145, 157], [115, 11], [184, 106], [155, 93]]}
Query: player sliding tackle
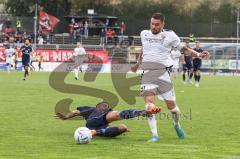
{"points": [[156, 46], [98, 118]]}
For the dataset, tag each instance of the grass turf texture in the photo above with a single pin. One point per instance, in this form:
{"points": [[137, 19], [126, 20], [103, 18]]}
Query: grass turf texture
{"points": [[29, 130]]}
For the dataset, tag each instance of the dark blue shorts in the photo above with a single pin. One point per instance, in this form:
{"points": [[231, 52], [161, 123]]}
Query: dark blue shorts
{"points": [[25, 60], [187, 66], [97, 120], [197, 63]]}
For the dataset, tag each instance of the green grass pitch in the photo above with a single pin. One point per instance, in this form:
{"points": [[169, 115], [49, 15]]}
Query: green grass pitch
{"points": [[29, 131]]}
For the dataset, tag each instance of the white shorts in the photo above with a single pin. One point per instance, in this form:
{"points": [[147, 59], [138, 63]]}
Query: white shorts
{"points": [[78, 60], [164, 90], [10, 60]]}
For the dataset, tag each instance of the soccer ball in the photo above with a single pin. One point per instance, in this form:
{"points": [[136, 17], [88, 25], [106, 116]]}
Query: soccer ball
{"points": [[82, 135]]}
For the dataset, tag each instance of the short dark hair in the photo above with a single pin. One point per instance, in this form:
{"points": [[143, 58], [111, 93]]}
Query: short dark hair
{"points": [[102, 105], [28, 40], [158, 16]]}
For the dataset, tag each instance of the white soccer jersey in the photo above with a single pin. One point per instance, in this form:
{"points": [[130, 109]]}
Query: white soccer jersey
{"points": [[79, 51], [156, 48], [9, 55]]}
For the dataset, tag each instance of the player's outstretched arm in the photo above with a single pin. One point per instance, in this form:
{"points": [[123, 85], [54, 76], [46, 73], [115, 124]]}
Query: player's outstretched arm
{"points": [[135, 66], [193, 53], [68, 115]]}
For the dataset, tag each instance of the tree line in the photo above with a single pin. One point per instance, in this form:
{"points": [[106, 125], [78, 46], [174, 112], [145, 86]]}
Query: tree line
{"points": [[184, 16]]}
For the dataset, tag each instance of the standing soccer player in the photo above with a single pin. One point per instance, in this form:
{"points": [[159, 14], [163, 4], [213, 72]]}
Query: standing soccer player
{"points": [[197, 63], [9, 52], [78, 53], [26, 52], [156, 46], [187, 66]]}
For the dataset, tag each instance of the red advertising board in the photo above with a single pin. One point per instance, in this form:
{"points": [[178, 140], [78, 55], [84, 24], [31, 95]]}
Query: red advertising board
{"points": [[63, 55]]}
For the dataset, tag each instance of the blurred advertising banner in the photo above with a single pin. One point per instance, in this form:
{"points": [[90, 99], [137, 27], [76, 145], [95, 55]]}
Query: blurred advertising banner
{"points": [[61, 56]]}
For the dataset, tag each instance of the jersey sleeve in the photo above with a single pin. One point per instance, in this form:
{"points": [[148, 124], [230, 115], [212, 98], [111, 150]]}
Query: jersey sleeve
{"points": [[142, 35], [173, 41], [85, 111]]}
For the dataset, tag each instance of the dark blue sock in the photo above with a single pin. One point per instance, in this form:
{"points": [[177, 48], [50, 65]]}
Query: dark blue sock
{"points": [[191, 74], [199, 76], [183, 76], [132, 113], [195, 77], [110, 132]]}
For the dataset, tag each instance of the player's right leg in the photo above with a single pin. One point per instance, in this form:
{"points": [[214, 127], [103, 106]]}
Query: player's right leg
{"points": [[111, 131], [76, 66], [184, 73], [170, 99], [76, 70], [190, 73], [148, 92]]}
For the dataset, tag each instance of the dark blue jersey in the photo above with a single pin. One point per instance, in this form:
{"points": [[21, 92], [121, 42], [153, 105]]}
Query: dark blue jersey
{"points": [[188, 59], [197, 60], [95, 117], [92, 112], [26, 50], [86, 111], [199, 50]]}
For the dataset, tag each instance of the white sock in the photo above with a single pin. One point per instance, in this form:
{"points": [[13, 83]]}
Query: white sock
{"points": [[176, 116], [8, 68], [76, 72], [152, 122]]}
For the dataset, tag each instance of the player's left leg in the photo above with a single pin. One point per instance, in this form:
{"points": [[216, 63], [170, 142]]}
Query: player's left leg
{"points": [[76, 70], [26, 72], [77, 64], [198, 77], [131, 113], [170, 101], [8, 67], [112, 131]]}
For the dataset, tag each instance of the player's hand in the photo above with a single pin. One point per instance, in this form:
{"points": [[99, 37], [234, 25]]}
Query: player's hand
{"points": [[60, 116], [134, 67], [204, 54]]}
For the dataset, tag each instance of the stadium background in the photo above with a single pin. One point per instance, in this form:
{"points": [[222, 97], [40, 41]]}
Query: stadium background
{"points": [[29, 130]]}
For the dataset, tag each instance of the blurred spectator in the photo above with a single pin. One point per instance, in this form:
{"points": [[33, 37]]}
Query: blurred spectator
{"points": [[9, 30], [25, 36], [8, 22], [81, 27], [106, 24], [18, 25], [102, 36], [191, 37], [122, 27], [70, 28], [75, 28], [40, 40], [86, 29], [110, 35]]}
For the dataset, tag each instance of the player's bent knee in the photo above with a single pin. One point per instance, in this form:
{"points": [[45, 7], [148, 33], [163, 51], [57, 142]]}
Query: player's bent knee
{"points": [[149, 97], [170, 104], [113, 116], [148, 94], [122, 127]]}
